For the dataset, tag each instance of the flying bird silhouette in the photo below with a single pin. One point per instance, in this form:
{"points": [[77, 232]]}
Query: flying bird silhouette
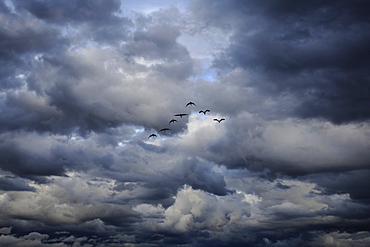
{"points": [[152, 135], [204, 112], [180, 115], [172, 121], [190, 103], [164, 129], [219, 120]]}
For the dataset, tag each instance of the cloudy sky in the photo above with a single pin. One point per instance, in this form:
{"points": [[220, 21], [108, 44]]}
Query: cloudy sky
{"points": [[84, 83]]}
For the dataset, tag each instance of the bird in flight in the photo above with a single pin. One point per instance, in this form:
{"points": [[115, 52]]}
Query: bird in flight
{"points": [[164, 129], [172, 121], [180, 115], [190, 103], [204, 112], [152, 135], [219, 120]]}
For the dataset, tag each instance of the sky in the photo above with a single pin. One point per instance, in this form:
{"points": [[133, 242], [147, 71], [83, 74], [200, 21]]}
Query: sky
{"points": [[83, 84]]}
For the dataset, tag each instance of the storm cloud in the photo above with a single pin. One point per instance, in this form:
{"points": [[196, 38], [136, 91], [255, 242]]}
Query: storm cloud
{"points": [[316, 51], [85, 83]]}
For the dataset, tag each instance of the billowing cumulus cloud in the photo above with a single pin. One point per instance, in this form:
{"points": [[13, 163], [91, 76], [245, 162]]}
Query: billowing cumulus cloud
{"points": [[85, 84]]}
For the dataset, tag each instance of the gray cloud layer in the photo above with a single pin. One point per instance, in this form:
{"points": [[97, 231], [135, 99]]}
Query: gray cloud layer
{"points": [[316, 51], [84, 84]]}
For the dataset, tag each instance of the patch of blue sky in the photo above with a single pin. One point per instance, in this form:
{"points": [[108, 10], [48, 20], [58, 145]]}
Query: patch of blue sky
{"points": [[207, 73], [149, 6], [139, 130]]}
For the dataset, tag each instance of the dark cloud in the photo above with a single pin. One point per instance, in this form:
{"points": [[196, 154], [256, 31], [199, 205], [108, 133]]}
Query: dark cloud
{"points": [[55, 77], [25, 164], [195, 173], [84, 84], [316, 51], [351, 182], [159, 42], [11, 183], [22, 39], [100, 19], [79, 11]]}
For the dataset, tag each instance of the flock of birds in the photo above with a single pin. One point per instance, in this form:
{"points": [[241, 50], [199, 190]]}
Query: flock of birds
{"points": [[185, 114]]}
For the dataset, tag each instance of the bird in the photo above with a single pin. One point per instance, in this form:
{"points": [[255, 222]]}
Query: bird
{"points": [[180, 115], [190, 103], [219, 120], [152, 135], [164, 129], [204, 112], [172, 121]]}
